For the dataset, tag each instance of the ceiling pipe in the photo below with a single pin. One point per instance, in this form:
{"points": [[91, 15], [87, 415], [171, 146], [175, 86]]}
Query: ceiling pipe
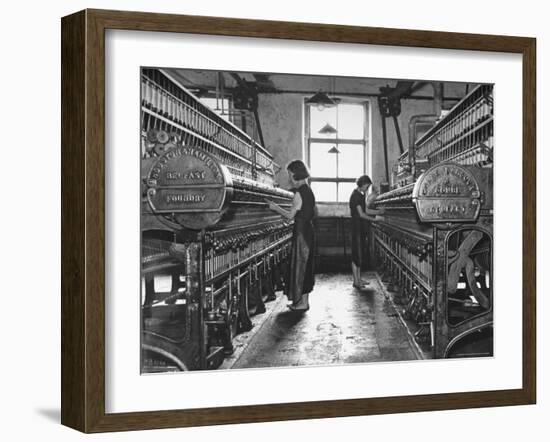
{"points": [[438, 97], [425, 118]]}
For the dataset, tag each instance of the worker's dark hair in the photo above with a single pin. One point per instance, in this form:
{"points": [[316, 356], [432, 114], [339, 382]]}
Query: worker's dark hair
{"points": [[298, 170], [362, 180]]}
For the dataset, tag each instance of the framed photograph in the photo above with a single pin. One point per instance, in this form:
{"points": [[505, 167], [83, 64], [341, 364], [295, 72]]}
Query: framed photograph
{"points": [[267, 221]]}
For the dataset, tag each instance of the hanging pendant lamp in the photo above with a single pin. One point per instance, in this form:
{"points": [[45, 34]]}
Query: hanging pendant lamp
{"points": [[327, 129], [321, 100]]}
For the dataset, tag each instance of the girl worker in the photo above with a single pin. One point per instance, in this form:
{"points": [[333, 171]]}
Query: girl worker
{"points": [[301, 276], [360, 212]]}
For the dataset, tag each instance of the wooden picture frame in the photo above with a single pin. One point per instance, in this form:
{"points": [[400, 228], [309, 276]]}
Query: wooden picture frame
{"points": [[83, 220]]}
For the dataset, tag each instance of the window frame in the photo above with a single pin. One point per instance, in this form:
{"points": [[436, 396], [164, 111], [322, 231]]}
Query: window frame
{"points": [[228, 98], [365, 141]]}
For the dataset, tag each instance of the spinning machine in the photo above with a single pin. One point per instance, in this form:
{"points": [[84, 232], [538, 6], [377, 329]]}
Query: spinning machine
{"points": [[434, 244], [212, 251]]}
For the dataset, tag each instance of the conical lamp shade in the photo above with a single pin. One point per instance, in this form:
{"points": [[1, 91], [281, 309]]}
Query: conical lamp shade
{"points": [[333, 149], [321, 99], [328, 129]]}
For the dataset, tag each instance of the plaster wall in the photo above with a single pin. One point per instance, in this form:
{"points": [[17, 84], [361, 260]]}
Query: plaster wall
{"points": [[282, 121]]}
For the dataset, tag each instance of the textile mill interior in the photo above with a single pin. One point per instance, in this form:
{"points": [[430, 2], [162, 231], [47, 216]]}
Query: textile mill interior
{"points": [[306, 220]]}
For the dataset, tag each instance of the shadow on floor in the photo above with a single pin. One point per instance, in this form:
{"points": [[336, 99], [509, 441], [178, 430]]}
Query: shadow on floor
{"points": [[51, 414], [288, 319]]}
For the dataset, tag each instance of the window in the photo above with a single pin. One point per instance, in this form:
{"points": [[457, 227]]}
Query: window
{"points": [[220, 106], [336, 148]]}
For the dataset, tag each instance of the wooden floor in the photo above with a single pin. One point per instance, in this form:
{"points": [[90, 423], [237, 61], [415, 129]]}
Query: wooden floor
{"points": [[343, 326]]}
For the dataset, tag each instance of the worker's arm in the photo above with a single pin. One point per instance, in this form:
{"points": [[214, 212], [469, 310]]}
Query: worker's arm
{"points": [[290, 214], [369, 210], [368, 214]]}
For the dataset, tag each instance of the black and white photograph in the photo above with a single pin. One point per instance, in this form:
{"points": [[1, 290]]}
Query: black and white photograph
{"points": [[271, 221], [307, 220]]}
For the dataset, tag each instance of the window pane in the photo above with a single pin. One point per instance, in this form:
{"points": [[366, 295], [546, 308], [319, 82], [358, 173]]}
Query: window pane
{"points": [[322, 163], [344, 191], [211, 103], [324, 191], [351, 121], [351, 160], [318, 119]]}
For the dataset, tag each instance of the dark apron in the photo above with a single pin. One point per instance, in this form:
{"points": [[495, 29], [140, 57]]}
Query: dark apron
{"points": [[301, 277]]}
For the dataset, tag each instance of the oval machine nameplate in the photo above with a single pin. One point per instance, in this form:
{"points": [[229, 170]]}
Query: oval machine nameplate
{"points": [[447, 193], [190, 184]]}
